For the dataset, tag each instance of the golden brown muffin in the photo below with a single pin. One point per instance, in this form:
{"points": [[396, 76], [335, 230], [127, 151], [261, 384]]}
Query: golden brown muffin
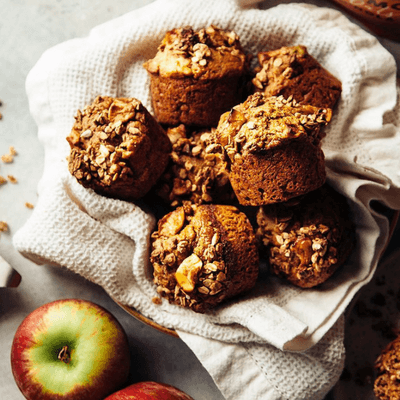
{"points": [[387, 383], [306, 239], [117, 148], [291, 71], [196, 76], [197, 170], [274, 148], [203, 255]]}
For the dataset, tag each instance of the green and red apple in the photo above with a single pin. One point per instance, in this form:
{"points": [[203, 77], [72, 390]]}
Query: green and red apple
{"points": [[149, 391], [70, 349]]}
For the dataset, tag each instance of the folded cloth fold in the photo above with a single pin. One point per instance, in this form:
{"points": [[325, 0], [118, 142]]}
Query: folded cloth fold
{"points": [[260, 371], [107, 240]]}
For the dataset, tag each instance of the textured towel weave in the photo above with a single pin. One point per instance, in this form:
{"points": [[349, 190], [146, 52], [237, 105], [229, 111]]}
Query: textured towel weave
{"points": [[106, 240]]}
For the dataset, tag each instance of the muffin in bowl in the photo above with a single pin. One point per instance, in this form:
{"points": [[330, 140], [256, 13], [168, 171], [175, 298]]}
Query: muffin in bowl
{"points": [[197, 170], [387, 383], [196, 76], [203, 255], [292, 71], [117, 148], [308, 238], [274, 148]]}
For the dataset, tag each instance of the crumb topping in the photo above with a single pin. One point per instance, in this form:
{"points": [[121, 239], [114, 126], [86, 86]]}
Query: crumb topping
{"points": [[292, 71], [197, 172], [262, 123], [188, 260], [185, 52], [301, 240], [110, 142], [281, 64], [387, 365]]}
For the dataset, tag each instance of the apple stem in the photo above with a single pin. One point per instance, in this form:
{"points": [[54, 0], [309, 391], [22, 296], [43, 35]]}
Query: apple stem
{"points": [[65, 355]]}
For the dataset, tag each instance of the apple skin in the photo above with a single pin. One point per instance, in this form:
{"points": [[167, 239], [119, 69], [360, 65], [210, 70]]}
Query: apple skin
{"points": [[96, 362], [149, 391]]}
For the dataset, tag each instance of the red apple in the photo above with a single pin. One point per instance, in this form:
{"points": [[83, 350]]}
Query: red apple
{"points": [[71, 350], [149, 391]]}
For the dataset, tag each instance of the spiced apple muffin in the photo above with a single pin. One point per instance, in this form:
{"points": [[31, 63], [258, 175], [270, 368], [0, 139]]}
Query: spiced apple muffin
{"points": [[197, 170], [387, 366], [203, 255], [274, 148], [291, 71], [117, 148], [197, 75], [306, 239]]}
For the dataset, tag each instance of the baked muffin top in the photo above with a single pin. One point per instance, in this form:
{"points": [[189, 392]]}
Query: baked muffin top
{"points": [[209, 53], [197, 170], [293, 71], [204, 254], [262, 123], [112, 142], [387, 385], [308, 237]]}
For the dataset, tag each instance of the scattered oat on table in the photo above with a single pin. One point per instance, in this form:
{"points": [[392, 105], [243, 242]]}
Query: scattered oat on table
{"points": [[7, 158], [2, 180], [3, 226], [29, 205], [12, 179]]}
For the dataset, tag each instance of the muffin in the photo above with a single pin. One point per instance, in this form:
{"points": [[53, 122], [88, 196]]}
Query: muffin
{"points": [[197, 170], [291, 71], [387, 383], [196, 76], [308, 238], [274, 148], [117, 148], [203, 255]]}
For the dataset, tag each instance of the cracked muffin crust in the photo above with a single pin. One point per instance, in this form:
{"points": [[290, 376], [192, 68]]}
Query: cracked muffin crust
{"points": [[117, 148], [291, 71], [197, 75], [203, 255], [274, 148], [308, 238], [387, 365], [197, 170]]}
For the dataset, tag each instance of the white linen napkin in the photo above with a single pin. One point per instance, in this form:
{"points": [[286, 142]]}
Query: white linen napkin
{"points": [[106, 240]]}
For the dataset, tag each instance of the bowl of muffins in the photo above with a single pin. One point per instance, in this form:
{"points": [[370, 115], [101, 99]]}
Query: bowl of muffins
{"points": [[229, 160]]}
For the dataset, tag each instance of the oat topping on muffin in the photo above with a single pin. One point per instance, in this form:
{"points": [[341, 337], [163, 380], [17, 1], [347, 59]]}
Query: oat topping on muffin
{"points": [[196, 76], [291, 71], [185, 52], [274, 149], [261, 123], [114, 144], [387, 365], [197, 170], [203, 255], [307, 238]]}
